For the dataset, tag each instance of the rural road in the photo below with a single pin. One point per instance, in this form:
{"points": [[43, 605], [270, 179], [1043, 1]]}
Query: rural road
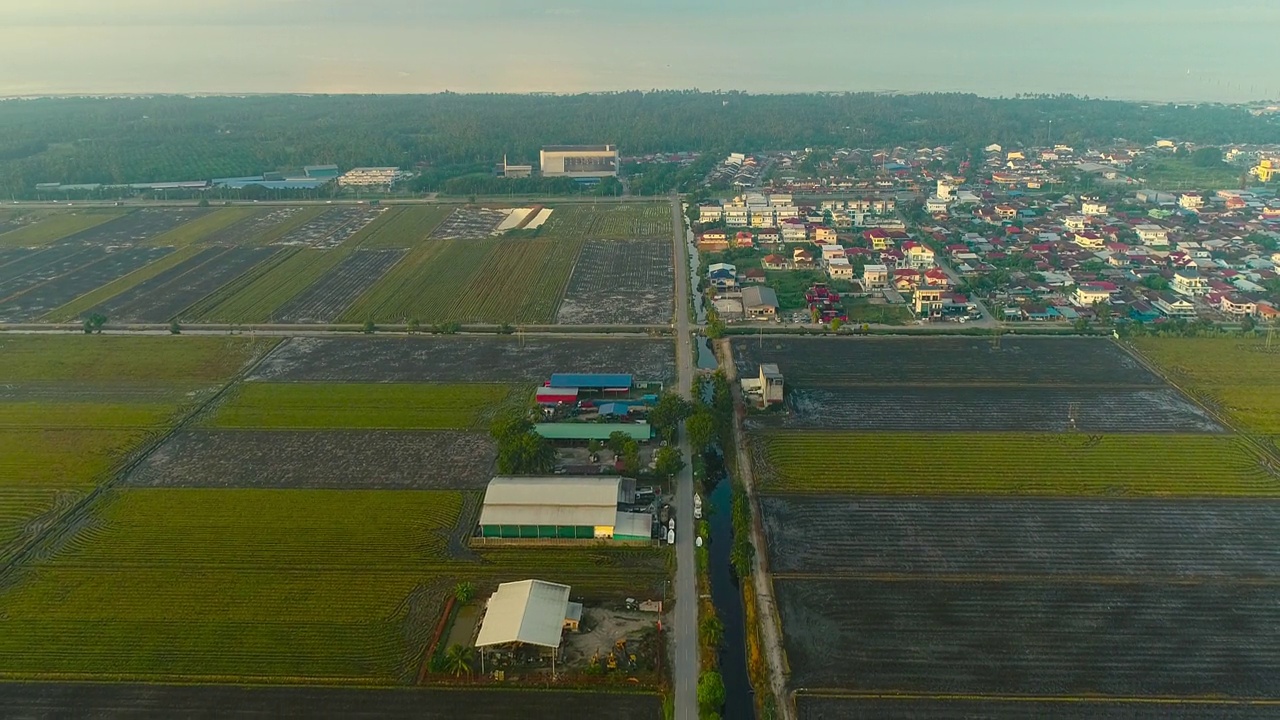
{"points": [[685, 618]]}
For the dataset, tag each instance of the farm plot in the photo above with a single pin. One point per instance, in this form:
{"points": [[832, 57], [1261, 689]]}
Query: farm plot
{"points": [[14, 254], [410, 225], [54, 227], [620, 282], [64, 458], [611, 221], [1011, 464], [25, 511], [135, 227], [251, 229], [374, 459], [163, 301], [1204, 541], [42, 267], [114, 359], [59, 291], [358, 406], [1043, 409], [462, 359], [1007, 637], [235, 584], [331, 228], [341, 286], [491, 281], [204, 226], [905, 707], [190, 259], [151, 701], [468, 223], [1235, 376], [1017, 361]]}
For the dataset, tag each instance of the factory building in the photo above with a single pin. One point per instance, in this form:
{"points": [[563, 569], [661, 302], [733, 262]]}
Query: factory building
{"points": [[563, 507], [579, 161]]}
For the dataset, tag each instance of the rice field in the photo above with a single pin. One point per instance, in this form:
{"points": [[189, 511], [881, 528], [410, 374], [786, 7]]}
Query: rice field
{"points": [[56, 227], [1012, 464], [108, 358], [365, 406]]}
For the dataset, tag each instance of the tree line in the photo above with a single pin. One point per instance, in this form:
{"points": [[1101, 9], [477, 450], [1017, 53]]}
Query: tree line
{"points": [[121, 140]]}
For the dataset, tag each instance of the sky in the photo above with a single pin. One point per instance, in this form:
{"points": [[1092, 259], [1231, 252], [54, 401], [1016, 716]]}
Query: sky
{"points": [[1157, 50]]}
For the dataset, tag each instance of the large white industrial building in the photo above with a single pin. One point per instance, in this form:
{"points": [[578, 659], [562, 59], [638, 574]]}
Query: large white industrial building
{"points": [[563, 507], [579, 161]]}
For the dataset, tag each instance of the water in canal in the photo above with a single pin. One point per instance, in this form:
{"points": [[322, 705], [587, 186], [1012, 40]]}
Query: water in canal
{"points": [[727, 597], [695, 267]]}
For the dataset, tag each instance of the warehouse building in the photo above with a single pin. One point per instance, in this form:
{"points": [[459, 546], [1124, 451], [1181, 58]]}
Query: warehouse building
{"points": [[528, 613], [579, 161], [563, 507]]}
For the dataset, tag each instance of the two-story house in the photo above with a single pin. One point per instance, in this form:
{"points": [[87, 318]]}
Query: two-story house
{"points": [[1188, 281], [875, 276]]}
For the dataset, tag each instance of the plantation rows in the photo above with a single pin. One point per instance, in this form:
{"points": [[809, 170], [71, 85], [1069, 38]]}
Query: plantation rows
{"points": [[264, 226], [210, 225], [335, 291], [41, 267], [1237, 377], [1067, 638], [882, 707], [23, 508], [404, 227], [341, 459], [55, 227], [168, 294], [916, 361], [358, 406], [135, 227], [967, 408], [620, 282], [1011, 464], [115, 359], [1148, 538], [63, 458], [46, 296]]}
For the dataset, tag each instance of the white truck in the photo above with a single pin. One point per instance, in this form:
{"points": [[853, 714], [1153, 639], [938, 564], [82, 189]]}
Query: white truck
{"points": [[697, 506]]}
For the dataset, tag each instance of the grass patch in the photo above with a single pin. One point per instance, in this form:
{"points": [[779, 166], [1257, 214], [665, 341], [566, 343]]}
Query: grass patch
{"points": [[45, 414], [1012, 464], [202, 227], [88, 358], [56, 227], [1171, 173], [359, 406]]}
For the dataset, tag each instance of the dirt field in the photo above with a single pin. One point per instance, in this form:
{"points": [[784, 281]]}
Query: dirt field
{"points": [[620, 282], [943, 361], [137, 226], [40, 299], [1043, 409], [906, 708], [191, 702], [1206, 539], [334, 459], [44, 266], [331, 228], [468, 223], [462, 359], [602, 628], [250, 229], [165, 296], [1070, 637]]}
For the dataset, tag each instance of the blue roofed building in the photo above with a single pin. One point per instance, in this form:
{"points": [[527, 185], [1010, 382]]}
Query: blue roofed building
{"points": [[600, 382]]}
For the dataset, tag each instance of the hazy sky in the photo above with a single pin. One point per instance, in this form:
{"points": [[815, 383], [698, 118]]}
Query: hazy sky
{"points": [[1137, 49]]}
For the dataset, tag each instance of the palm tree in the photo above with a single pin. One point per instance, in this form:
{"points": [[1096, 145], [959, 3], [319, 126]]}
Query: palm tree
{"points": [[463, 592], [458, 659], [712, 631]]}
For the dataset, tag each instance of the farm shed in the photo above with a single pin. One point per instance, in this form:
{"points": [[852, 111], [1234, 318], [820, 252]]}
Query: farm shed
{"points": [[596, 382], [560, 506], [556, 395], [528, 612], [640, 432]]}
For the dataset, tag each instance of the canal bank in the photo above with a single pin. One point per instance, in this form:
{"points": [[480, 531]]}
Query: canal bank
{"points": [[726, 595]]}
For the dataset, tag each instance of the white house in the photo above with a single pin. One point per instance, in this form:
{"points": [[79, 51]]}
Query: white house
{"points": [[1187, 281], [1152, 234], [839, 268]]}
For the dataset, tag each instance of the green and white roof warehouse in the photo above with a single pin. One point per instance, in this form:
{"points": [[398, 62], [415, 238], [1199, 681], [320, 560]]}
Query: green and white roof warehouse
{"points": [[640, 432], [562, 506]]}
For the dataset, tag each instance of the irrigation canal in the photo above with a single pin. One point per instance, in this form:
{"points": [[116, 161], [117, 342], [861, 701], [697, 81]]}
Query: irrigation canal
{"points": [[727, 597]]}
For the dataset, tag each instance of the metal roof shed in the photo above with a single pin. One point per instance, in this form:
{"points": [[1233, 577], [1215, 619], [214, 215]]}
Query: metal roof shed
{"points": [[531, 612], [592, 381]]}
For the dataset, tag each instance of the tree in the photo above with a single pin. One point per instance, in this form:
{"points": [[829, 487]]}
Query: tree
{"points": [[1081, 324], [617, 441], [701, 428], [458, 660], [711, 631], [741, 556], [630, 457], [1207, 157], [204, 202], [668, 461], [94, 323], [463, 592], [509, 425], [835, 324], [527, 454], [668, 412], [175, 328], [710, 691], [369, 328], [415, 325]]}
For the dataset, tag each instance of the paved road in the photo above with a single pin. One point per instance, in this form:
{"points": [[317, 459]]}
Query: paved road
{"points": [[685, 619]]}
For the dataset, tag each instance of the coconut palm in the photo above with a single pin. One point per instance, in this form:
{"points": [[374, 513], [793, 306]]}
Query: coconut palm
{"points": [[458, 659]]}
